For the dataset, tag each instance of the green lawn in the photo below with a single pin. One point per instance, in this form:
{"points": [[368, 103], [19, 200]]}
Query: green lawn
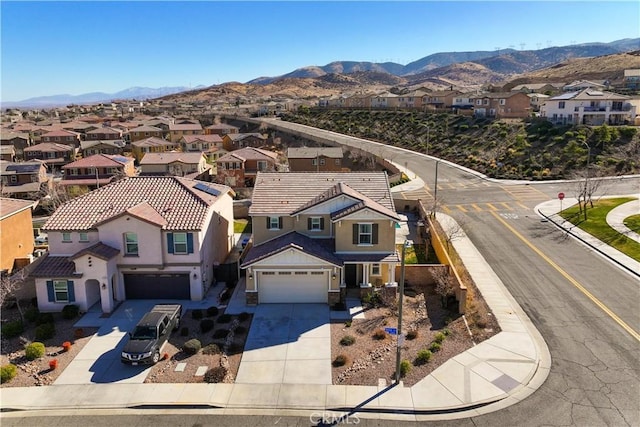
{"points": [[633, 222], [241, 226], [597, 226], [416, 254]]}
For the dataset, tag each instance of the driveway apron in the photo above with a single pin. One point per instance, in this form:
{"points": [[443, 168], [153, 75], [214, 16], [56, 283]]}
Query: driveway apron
{"points": [[287, 344]]}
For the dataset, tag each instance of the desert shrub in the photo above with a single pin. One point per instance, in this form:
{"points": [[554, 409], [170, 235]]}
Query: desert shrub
{"points": [[7, 372], [196, 314], [347, 340], [212, 311], [405, 367], [240, 330], [340, 360], [206, 325], [192, 346], [434, 347], [34, 351], [446, 332], [70, 311], [215, 375], [211, 349], [224, 318], [12, 329], [220, 333], [628, 131], [412, 334], [184, 331], [423, 357], [31, 314], [347, 324], [379, 334], [439, 337], [45, 331], [243, 316], [44, 318]]}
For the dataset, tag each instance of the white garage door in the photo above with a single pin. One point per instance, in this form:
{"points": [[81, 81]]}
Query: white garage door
{"points": [[293, 287]]}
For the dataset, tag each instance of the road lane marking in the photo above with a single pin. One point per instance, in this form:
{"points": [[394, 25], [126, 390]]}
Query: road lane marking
{"points": [[461, 208], [522, 206], [493, 208], [573, 281], [476, 207], [506, 206]]}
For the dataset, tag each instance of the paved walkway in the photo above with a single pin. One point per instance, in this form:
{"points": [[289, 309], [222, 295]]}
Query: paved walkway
{"points": [[616, 217]]}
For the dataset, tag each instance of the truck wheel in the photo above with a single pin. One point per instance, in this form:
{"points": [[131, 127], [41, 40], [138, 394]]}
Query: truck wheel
{"points": [[156, 356]]}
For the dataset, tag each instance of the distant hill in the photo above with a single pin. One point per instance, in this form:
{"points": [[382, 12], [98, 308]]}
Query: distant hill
{"points": [[138, 93]]}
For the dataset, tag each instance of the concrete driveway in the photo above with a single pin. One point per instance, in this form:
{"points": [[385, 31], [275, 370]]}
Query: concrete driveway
{"points": [[288, 344]]}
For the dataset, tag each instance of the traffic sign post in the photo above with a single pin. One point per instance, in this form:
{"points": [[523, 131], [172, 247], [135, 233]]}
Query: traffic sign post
{"points": [[561, 197]]}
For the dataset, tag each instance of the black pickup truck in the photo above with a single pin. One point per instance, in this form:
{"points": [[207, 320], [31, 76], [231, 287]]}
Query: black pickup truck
{"points": [[150, 335]]}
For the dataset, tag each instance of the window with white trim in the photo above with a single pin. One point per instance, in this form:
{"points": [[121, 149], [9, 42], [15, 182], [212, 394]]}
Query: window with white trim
{"points": [[66, 237], [61, 290], [84, 237], [365, 232], [180, 243], [316, 224], [130, 244], [375, 269], [274, 223]]}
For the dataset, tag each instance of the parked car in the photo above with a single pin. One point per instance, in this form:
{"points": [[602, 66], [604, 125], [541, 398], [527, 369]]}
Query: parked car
{"points": [[152, 332]]}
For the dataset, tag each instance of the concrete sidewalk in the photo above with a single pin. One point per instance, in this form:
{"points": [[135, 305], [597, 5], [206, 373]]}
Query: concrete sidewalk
{"points": [[494, 374]]}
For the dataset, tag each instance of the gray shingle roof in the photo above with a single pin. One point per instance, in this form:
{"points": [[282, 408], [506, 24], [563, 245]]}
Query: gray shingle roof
{"points": [[286, 193], [176, 199], [171, 157], [320, 248], [99, 250], [55, 266]]}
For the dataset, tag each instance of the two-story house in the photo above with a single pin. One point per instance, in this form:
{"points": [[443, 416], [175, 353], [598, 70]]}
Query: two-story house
{"points": [[97, 171], [180, 129], [16, 239], [18, 140], [152, 145], [137, 238], [192, 165], [589, 107], [317, 234], [500, 105], [7, 153], [62, 136], [412, 99], [384, 100], [144, 132], [113, 147], [53, 154], [235, 141], [240, 167], [220, 129], [24, 180], [103, 133], [315, 159], [438, 100]]}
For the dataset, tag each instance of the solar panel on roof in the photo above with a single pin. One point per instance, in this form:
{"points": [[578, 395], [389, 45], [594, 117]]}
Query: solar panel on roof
{"points": [[209, 190]]}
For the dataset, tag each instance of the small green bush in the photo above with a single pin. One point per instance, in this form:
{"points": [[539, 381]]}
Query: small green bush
{"points": [[379, 334], [34, 351], [12, 329], [412, 334], [45, 331], [439, 337], [446, 332], [347, 324], [215, 375], [196, 314], [340, 360], [220, 333], [224, 318], [70, 311], [434, 347], [243, 316], [31, 315], [211, 349], [212, 311], [7, 372], [184, 331], [405, 368], [44, 318], [206, 325], [347, 340], [192, 346], [423, 357]]}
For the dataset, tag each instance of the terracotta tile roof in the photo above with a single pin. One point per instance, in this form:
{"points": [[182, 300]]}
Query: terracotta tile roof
{"points": [[221, 126], [249, 153], [319, 248], [55, 266], [146, 128], [70, 180], [100, 161], [241, 136], [62, 132], [13, 135], [286, 193], [115, 143], [171, 157], [153, 142], [189, 139], [10, 207], [185, 126], [7, 149], [105, 130], [49, 147], [183, 203], [29, 187], [99, 250], [313, 152]]}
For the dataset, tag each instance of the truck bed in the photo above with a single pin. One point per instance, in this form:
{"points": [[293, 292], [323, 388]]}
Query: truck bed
{"points": [[170, 310]]}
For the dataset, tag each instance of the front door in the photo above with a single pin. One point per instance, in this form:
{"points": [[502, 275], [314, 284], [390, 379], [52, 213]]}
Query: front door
{"points": [[351, 275]]}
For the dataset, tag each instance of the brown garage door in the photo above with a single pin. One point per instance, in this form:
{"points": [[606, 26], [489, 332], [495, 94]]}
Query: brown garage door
{"points": [[157, 286]]}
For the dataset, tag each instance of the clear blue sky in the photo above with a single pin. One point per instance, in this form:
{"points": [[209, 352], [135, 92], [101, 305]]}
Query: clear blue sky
{"points": [[51, 48]]}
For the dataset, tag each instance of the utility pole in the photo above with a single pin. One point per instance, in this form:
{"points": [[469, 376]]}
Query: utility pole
{"points": [[435, 191], [586, 179]]}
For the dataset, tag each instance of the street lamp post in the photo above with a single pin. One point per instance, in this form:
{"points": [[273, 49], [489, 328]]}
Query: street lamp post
{"points": [[405, 245], [586, 179]]}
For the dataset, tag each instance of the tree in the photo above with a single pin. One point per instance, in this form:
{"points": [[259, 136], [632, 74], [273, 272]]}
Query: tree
{"points": [[9, 285], [444, 284]]}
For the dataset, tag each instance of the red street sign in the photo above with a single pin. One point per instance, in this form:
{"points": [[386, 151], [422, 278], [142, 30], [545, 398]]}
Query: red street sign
{"points": [[560, 196]]}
